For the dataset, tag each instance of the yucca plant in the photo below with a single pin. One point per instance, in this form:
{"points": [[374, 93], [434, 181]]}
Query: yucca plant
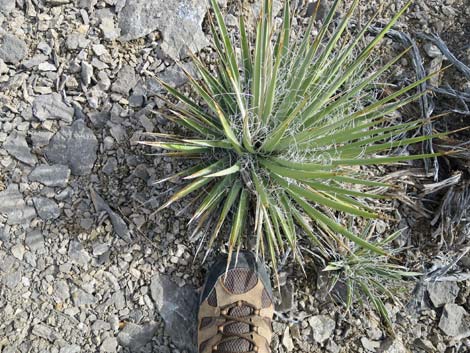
{"points": [[283, 131], [371, 277]]}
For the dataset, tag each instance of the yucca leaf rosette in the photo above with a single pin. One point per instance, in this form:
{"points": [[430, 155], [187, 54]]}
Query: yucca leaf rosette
{"points": [[284, 130]]}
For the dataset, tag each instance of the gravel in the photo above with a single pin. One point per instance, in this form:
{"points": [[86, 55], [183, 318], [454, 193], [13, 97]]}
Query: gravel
{"points": [[86, 265]]}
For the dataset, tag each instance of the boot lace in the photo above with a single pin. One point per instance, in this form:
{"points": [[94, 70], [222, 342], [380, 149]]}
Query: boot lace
{"points": [[237, 329]]}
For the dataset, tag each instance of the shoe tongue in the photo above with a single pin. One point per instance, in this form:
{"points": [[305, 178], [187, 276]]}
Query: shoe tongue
{"points": [[238, 345]]}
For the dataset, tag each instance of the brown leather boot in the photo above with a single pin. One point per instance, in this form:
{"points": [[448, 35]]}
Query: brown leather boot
{"points": [[236, 310]]}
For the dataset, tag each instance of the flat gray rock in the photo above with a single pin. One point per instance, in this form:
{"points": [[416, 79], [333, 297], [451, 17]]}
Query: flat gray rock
{"points": [[76, 41], [108, 26], [179, 21], [35, 240], [442, 293], [18, 251], [287, 340], [136, 336], [81, 298], [3, 67], [126, 80], [322, 326], [392, 346], [454, 320], [12, 279], [432, 50], [75, 146], [424, 344], [40, 138], [369, 345], [61, 291], [52, 107], [71, 348], [50, 175], [44, 331], [78, 254], [35, 61], [12, 49], [86, 73], [178, 307], [110, 166], [109, 345], [46, 208], [13, 205], [16, 145], [7, 6]]}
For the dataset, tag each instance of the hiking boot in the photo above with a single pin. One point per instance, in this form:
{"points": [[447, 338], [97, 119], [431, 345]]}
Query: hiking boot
{"points": [[236, 310]]}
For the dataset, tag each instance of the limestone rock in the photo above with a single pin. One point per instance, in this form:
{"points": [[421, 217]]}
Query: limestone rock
{"points": [[6, 6], [136, 336], [125, 81], [178, 308], [13, 205], [75, 146], [442, 293], [180, 23], [452, 321], [17, 146], [109, 345], [46, 208], [50, 175], [322, 327], [12, 49], [392, 346], [51, 106]]}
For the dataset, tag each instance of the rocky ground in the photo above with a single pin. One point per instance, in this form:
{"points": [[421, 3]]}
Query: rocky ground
{"points": [[85, 263]]}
